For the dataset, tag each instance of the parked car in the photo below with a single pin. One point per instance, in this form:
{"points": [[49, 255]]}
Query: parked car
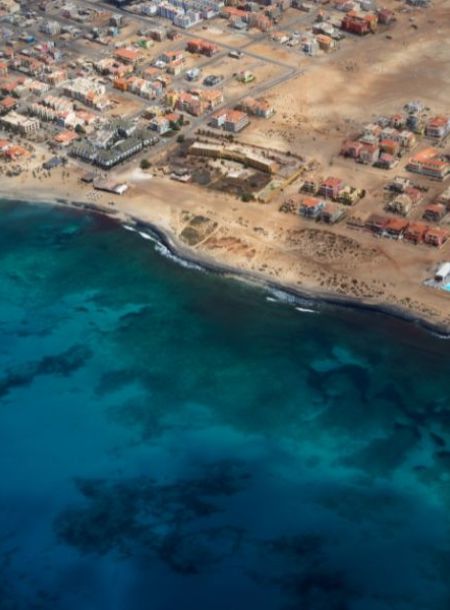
{"points": [[212, 80]]}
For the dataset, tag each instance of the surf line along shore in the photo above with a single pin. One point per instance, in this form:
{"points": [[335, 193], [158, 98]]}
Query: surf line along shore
{"points": [[186, 255]]}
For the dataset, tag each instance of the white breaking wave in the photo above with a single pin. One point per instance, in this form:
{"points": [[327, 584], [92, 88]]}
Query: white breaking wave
{"points": [[146, 236], [306, 310], [164, 251], [279, 296]]}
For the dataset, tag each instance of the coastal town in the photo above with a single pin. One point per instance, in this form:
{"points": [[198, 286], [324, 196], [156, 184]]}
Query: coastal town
{"points": [[303, 142]]}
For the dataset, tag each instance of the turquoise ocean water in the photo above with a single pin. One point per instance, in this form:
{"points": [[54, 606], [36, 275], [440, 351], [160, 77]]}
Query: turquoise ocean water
{"points": [[173, 440]]}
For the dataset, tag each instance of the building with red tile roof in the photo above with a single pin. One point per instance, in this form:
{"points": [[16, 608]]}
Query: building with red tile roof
{"points": [[438, 127], [415, 232], [331, 187], [66, 137], [203, 47], [436, 237], [128, 56]]}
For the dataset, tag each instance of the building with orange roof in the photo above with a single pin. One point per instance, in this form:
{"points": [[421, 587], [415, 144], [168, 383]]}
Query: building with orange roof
{"points": [[376, 223], [175, 67], [436, 237], [170, 56], [87, 117], [429, 163], [3, 68], [395, 227], [425, 155], [434, 212], [8, 103], [357, 23], [438, 127], [310, 207], [151, 72], [230, 120], [203, 47], [330, 187], [231, 12], [326, 43], [121, 84], [15, 151], [415, 232], [213, 98], [257, 107], [391, 147], [128, 56], [66, 137], [190, 103], [11, 86]]}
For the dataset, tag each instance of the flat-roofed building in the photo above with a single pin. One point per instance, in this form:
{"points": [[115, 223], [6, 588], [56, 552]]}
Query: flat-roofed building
{"points": [[19, 123]]}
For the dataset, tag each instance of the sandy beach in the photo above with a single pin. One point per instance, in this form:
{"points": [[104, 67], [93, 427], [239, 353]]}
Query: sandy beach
{"points": [[337, 265]]}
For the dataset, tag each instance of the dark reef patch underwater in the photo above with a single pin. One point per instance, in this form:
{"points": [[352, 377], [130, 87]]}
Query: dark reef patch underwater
{"points": [[171, 439]]}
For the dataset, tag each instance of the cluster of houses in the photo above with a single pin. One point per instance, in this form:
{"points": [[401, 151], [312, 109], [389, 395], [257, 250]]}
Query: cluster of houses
{"points": [[88, 91], [414, 232], [324, 199], [182, 13], [61, 111], [335, 189], [81, 90], [407, 197], [321, 210], [164, 122], [202, 47], [360, 18], [195, 101], [383, 142], [249, 15], [147, 89]]}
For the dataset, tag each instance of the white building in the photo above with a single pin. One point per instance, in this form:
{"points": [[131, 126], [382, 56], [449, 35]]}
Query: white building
{"points": [[19, 123], [50, 27]]}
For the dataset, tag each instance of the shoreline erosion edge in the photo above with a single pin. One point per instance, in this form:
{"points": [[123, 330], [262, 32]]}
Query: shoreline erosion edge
{"points": [[178, 250]]}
